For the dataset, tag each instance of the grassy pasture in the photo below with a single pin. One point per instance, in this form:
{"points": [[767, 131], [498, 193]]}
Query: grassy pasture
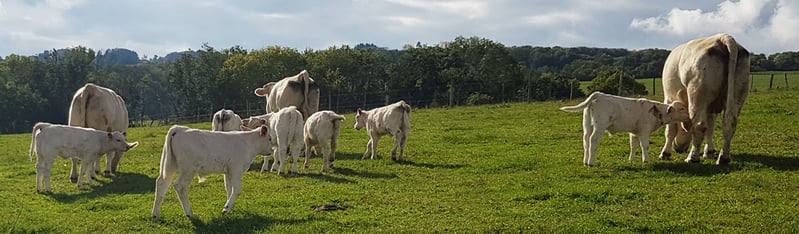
{"points": [[759, 82], [495, 168]]}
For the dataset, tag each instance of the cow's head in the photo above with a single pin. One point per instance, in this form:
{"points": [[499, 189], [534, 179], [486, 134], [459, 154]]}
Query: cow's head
{"points": [[118, 141], [677, 112], [360, 118], [265, 90]]}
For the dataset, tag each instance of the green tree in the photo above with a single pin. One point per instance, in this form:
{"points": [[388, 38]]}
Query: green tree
{"points": [[607, 81]]}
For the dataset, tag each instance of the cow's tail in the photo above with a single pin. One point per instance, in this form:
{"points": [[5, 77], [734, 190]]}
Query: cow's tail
{"points": [[337, 119], [582, 105], [298, 123], [36, 128], [406, 114], [306, 80], [80, 103], [732, 49], [168, 161]]}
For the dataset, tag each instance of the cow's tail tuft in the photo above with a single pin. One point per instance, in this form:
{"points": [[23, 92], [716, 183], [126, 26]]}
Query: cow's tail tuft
{"points": [[406, 114], [36, 128], [582, 105], [168, 161]]}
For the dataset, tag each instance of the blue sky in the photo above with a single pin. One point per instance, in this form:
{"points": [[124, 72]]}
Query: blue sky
{"points": [[157, 27]]}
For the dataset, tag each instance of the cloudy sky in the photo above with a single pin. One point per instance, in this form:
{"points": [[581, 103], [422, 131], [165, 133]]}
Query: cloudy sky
{"points": [[157, 27]]}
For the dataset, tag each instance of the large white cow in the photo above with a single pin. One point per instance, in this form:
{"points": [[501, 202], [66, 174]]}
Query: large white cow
{"points": [[299, 90], [322, 127], [287, 135], [393, 119], [638, 116], [225, 121], [100, 108], [191, 152], [711, 75], [49, 141]]}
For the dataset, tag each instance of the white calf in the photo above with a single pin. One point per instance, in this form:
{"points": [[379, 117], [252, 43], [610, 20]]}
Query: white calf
{"points": [[225, 121], [640, 117], [192, 152], [49, 141], [321, 127], [287, 133], [394, 119]]}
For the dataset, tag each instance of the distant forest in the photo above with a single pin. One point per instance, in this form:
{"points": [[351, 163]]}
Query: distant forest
{"points": [[464, 71]]}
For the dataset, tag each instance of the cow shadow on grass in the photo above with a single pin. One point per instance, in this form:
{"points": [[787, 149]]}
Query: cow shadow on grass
{"points": [[325, 177], [242, 223], [431, 165], [364, 174], [122, 183], [739, 162]]}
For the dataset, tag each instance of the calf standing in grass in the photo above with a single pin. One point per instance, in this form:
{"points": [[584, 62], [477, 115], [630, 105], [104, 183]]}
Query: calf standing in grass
{"points": [[287, 132], [86, 145], [190, 152], [320, 128], [640, 117], [394, 119]]}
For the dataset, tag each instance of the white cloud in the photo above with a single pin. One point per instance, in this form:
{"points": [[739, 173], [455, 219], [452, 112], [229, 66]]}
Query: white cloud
{"points": [[784, 26], [554, 19], [467, 8], [731, 17], [404, 21]]}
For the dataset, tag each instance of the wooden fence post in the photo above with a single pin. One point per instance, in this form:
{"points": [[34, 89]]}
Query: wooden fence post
{"points": [[654, 88], [786, 80], [771, 81]]}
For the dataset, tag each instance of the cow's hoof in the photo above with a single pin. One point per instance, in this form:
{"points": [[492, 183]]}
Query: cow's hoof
{"points": [[73, 179], [723, 161], [711, 154], [693, 160], [155, 218], [665, 156]]}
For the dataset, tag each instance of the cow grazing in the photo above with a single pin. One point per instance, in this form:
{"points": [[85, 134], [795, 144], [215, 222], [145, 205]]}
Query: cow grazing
{"points": [[191, 152], [640, 117], [100, 108], [48, 141], [225, 121], [393, 119], [320, 128], [299, 90], [711, 75], [287, 135]]}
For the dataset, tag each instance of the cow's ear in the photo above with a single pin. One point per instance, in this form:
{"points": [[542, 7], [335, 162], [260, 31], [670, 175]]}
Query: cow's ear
{"points": [[109, 135], [261, 92], [132, 145], [359, 111], [245, 122], [262, 120], [655, 112], [670, 109], [125, 133]]}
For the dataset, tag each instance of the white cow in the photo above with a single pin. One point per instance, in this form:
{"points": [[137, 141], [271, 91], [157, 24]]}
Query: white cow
{"points": [[322, 127], [100, 108], [191, 152], [287, 135], [638, 116], [252, 121], [711, 75], [49, 141], [393, 119], [225, 121], [299, 90]]}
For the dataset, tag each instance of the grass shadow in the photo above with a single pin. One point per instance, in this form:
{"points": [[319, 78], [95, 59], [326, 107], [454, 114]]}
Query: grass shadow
{"points": [[705, 168], [326, 177], [363, 174], [782, 163], [122, 183], [347, 156], [246, 223], [432, 165]]}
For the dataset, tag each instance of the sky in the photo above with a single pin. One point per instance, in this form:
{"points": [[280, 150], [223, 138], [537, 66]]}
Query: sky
{"points": [[158, 27]]}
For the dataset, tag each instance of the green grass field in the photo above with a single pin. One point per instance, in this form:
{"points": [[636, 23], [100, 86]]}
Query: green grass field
{"points": [[496, 168], [759, 82]]}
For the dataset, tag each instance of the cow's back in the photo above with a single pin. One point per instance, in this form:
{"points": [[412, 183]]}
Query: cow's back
{"points": [[99, 108], [391, 118]]}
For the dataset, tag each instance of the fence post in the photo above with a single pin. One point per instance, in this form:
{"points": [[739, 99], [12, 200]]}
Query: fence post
{"points": [[654, 88], [751, 81], [621, 77], [571, 90], [786, 80], [771, 81]]}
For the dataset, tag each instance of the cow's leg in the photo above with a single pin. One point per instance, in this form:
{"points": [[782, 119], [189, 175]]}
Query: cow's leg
{"points": [[307, 153], [281, 156], [596, 137], [698, 135], [634, 142], [96, 166], [671, 133], [368, 148], [397, 141], [644, 141], [111, 163], [403, 142], [295, 156], [182, 189], [228, 184], [682, 140], [327, 161], [161, 187], [375, 140], [333, 147], [73, 174], [588, 129], [710, 148], [235, 190], [44, 167], [730, 123], [275, 161]]}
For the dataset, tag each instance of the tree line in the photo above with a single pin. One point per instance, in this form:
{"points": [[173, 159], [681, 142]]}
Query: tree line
{"points": [[464, 71]]}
